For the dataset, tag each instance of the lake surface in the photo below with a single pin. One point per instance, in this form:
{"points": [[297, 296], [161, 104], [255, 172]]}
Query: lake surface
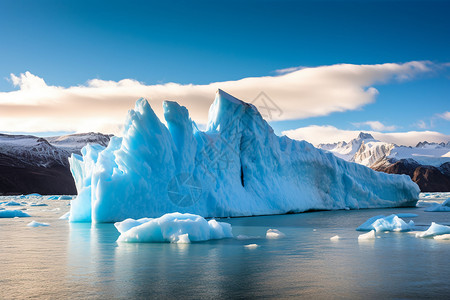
{"points": [[76, 260]]}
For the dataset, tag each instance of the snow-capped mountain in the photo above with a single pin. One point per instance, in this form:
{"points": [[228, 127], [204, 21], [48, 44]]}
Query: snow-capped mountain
{"points": [[346, 150], [31, 164], [426, 163]]}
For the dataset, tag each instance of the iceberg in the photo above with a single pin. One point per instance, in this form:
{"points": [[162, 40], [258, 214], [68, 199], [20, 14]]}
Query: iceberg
{"points": [[389, 223], [174, 228], [237, 167]]}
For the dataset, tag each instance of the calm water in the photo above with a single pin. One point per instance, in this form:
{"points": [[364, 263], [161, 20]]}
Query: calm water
{"points": [[82, 261]]}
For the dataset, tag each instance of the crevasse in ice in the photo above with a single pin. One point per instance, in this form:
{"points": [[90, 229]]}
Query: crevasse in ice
{"points": [[237, 167]]}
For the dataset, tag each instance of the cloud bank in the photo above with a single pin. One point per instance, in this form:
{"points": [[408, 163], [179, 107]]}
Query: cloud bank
{"points": [[101, 105], [329, 134]]}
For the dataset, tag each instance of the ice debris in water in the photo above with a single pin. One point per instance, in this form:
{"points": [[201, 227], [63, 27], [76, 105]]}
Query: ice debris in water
{"points": [[251, 246], [383, 223], [13, 214], [237, 167], [37, 224], [335, 238], [274, 234], [433, 230], [173, 228]]}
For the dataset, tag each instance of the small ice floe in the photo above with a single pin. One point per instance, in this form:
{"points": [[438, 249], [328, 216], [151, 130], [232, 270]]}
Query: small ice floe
{"points": [[13, 214], [442, 237], [173, 228], [65, 216], [367, 236], [436, 207], [274, 234], [251, 246], [389, 223], [335, 238], [37, 224], [433, 230], [12, 203]]}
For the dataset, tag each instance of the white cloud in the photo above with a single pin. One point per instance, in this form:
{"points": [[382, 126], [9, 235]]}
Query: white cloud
{"points": [[329, 134], [101, 105], [445, 115], [376, 125]]}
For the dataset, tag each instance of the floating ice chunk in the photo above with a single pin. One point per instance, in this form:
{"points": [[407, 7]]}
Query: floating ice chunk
{"points": [[274, 234], [12, 203], [251, 246], [335, 238], [389, 223], [37, 224], [367, 236], [13, 214], [442, 237], [173, 228], [65, 216], [434, 229]]}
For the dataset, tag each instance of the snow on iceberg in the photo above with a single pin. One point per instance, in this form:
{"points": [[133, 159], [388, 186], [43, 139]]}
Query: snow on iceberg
{"points": [[237, 167], [433, 230], [389, 223], [173, 228], [13, 214]]}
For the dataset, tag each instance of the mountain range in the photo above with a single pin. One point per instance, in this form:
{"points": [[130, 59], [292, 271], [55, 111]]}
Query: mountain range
{"points": [[30, 164], [428, 164]]}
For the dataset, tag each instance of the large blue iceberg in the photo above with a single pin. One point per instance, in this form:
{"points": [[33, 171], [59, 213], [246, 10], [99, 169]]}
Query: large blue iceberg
{"points": [[237, 167]]}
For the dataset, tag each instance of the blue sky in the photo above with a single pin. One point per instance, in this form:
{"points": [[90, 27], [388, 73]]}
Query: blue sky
{"points": [[68, 43]]}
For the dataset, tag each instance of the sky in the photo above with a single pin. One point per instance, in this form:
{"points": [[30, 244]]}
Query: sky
{"points": [[328, 69]]}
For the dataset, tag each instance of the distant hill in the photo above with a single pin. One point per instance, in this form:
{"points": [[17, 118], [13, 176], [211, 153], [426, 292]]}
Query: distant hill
{"points": [[428, 164], [30, 164]]}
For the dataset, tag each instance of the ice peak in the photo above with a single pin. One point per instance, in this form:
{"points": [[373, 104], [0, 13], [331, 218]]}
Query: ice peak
{"points": [[365, 136], [226, 109]]}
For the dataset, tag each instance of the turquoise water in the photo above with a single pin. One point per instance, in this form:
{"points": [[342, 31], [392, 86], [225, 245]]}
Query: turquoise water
{"points": [[82, 261]]}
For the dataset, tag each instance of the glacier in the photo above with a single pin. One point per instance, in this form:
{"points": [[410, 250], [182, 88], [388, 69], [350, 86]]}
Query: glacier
{"points": [[237, 167]]}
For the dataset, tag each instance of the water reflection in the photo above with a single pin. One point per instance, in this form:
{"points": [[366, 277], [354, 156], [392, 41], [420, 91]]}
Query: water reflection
{"points": [[303, 264]]}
